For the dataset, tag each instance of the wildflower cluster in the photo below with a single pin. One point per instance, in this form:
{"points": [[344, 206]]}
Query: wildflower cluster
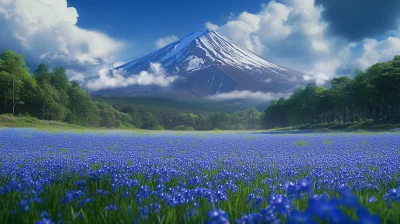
{"points": [[71, 177]]}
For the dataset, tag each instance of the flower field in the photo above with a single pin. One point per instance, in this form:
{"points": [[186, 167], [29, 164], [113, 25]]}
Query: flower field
{"points": [[198, 177]]}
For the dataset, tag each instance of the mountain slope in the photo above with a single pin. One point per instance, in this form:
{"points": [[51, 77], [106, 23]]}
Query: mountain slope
{"points": [[209, 63]]}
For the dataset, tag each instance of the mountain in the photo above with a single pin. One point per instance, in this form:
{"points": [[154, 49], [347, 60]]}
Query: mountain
{"points": [[208, 63]]}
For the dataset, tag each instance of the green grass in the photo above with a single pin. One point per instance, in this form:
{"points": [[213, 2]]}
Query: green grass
{"points": [[9, 121], [32, 122], [327, 142], [53, 127], [360, 127], [301, 143]]}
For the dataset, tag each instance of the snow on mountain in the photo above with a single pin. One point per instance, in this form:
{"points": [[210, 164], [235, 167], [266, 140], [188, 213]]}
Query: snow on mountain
{"points": [[210, 63]]}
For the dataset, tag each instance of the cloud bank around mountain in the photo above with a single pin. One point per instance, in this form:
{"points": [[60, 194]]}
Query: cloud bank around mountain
{"points": [[255, 96], [111, 79]]}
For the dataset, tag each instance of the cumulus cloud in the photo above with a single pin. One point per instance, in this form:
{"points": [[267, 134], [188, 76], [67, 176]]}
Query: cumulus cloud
{"points": [[298, 34], [291, 33], [323, 71], [118, 78], [296, 25], [164, 41], [242, 31], [46, 31], [248, 95], [209, 25], [76, 76], [375, 51]]}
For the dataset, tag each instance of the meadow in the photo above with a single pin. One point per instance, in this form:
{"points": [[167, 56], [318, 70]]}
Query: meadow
{"points": [[198, 177]]}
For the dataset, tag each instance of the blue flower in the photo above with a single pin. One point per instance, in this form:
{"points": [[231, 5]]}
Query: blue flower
{"points": [[85, 201], [365, 216], [112, 207], [143, 212], [348, 199], [103, 192], [372, 199], [24, 204], [191, 213], [392, 195], [81, 183], [44, 215], [218, 217], [72, 195], [155, 207], [45, 221], [296, 217]]}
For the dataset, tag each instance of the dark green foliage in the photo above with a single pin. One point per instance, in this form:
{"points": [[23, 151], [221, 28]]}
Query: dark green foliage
{"points": [[59, 79], [82, 109], [179, 119], [194, 105], [45, 94], [48, 95], [107, 115], [16, 83], [42, 74], [149, 116], [372, 94], [150, 122]]}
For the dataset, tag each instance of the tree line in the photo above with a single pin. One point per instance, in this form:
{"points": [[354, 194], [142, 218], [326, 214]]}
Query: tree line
{"points": [[47, 94], [373, 94], [178, 119]]}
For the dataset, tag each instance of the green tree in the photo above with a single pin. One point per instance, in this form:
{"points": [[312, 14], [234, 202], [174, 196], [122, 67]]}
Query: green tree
{"points": [[81, 109], [15, 74], [107, 115], [6, 82], [42, 74], [59, 79], [150, 122]]}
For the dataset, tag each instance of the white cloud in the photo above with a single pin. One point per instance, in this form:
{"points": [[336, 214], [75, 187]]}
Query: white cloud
{"points": [[323, 71], [76, 76], [375, 51], [46, 30], [242, 30], [118, 63], [194, 63], [291, 33], [164, 41], [255, 96], [211, 26], [269, 80], [117, 78]]}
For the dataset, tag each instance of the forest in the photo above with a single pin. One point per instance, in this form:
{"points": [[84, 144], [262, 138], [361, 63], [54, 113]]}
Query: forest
{"points": [[372, 95], [47, 94]]}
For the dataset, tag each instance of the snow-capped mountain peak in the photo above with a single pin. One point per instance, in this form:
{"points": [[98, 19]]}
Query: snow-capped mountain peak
{"points": [[211, 63]]}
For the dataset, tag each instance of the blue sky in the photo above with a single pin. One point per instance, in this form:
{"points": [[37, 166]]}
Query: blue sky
{"points": [[321, 38], [141, 22]]}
